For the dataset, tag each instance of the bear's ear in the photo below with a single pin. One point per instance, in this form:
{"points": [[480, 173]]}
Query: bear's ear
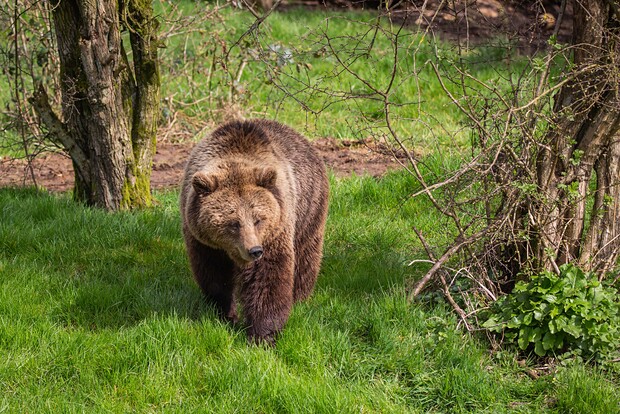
{"points": [[204, 183], [266, 177]]}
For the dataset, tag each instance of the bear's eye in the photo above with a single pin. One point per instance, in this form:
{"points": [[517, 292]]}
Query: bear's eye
{"points": [[257, 221], [234, 225]]}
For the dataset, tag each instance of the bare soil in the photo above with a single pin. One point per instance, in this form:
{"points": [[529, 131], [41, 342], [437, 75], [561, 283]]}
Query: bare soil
{"points": [[526, 24], [54, 171]]}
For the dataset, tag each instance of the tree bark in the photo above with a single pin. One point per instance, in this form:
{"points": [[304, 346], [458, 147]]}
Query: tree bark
{"points": [[143, 29], [582, 145], [110, 104]]}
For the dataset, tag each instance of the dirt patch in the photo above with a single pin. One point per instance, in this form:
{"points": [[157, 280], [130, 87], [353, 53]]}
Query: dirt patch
{"points": [[359, 157], [527, 25], [54, 171]]}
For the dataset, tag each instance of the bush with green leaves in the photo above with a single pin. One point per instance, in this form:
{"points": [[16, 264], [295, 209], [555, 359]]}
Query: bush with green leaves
{"points": [[553, 314]]}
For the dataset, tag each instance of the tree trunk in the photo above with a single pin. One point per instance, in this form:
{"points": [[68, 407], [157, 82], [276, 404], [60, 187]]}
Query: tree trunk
{"points": [[110, 103], [574, 220]]}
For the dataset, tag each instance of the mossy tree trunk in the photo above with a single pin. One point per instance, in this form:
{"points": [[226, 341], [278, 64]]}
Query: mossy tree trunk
{"points": [[110, 101], [577, 218]]}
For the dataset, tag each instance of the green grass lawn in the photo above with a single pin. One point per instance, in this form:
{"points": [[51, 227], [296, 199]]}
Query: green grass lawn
{"points": [[99, 313]]}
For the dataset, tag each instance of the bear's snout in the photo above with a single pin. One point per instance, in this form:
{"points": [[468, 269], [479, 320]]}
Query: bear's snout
{"points": [[256, 252]]}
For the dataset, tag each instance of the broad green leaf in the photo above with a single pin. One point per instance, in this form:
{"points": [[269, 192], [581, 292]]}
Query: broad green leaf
{"points": [[548, 341], [538, 315], [491, 323], [539, 349], [514, 322], [555, 311], [573, 328], [522, 297], [524, 337], [560, 322], [557, 287]]}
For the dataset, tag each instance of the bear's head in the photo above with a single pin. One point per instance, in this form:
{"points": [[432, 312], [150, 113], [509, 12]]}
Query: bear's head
{"points": [[234, 211]]}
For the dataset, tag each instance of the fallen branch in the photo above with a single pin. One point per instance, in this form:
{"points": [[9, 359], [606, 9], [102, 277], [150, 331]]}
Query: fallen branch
{"points": [[455, 306], [442, 260]]}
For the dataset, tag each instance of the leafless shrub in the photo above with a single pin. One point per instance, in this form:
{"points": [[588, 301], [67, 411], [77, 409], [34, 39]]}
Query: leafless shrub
{"points": [[28, 56]]}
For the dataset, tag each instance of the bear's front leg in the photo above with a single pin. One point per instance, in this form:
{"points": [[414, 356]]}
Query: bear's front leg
{"points": [[267, 293], [214, 272]]}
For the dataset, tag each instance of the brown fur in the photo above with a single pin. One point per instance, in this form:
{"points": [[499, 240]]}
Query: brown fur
{"points": [[250, 185]]}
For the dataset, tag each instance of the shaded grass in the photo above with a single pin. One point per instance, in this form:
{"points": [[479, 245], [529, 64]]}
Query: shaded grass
{"points": [[98, 313]]}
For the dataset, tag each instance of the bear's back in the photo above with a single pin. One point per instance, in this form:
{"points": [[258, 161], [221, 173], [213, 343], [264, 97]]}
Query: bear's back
{"points": [[255, 137], [266, 143], [292, 146], [260, 141]]}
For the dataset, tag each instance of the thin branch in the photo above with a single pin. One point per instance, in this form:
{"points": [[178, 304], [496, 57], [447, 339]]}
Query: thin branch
{"points": [[57, 129], [443, 259], [455, 306], [259, 20]]}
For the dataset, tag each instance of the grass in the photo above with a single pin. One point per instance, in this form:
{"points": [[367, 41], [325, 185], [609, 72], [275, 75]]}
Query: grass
{"points": [[99, 313], [325, 71]]}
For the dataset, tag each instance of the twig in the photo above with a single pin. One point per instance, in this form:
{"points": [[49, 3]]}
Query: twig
{"points": [[443, 259], [259, 20], [446, 288], [18, 101], [455, 306]]}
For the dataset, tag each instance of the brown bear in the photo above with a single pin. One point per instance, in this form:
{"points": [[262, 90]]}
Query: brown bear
{"points": [[254, 204]]}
